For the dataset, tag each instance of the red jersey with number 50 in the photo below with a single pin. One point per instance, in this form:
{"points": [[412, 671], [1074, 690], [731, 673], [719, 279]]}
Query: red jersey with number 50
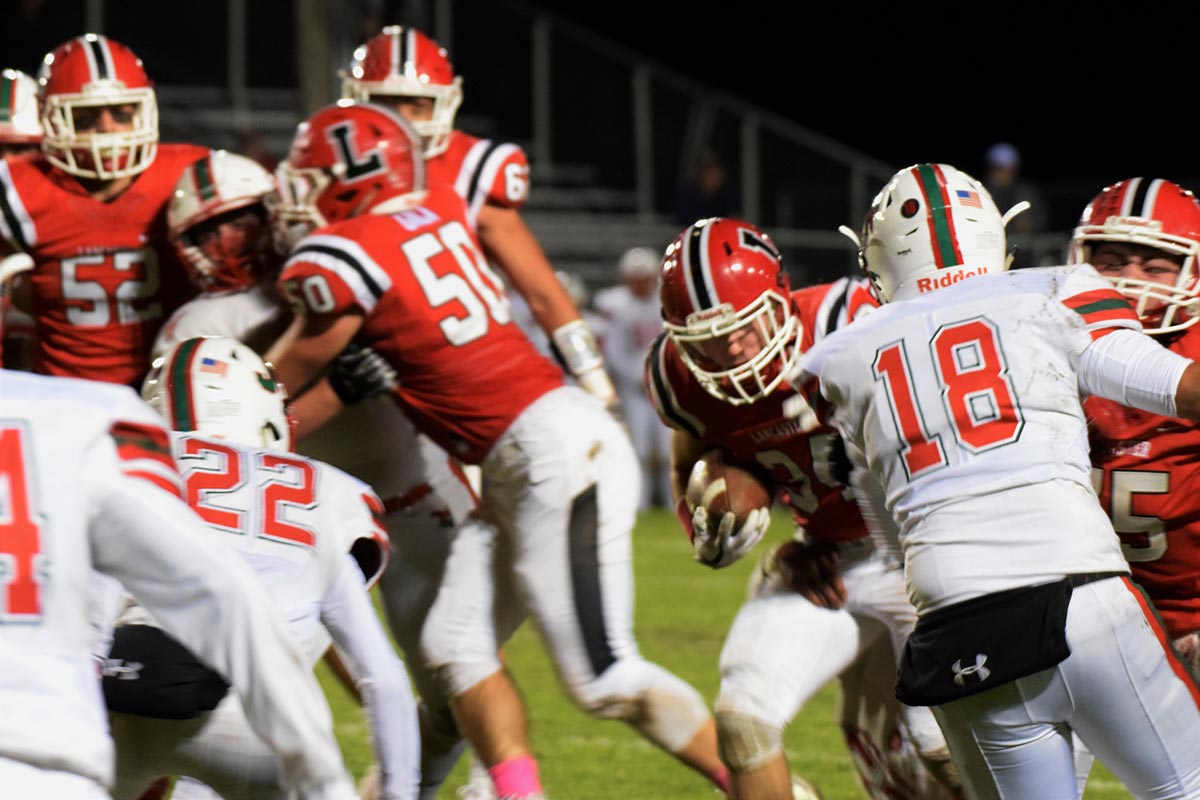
{"points": [[1146, 469], [104, 278], [481, 171], [434, 309], [801, 464]]}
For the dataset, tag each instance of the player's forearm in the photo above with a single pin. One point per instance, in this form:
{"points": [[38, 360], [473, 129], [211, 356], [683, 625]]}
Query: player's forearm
{"points": [[347, 613], [1133, 369], [312, 410]]}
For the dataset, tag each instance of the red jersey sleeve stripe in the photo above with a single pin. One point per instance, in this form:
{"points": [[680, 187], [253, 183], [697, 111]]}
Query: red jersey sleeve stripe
{"points": [[171, 487]]}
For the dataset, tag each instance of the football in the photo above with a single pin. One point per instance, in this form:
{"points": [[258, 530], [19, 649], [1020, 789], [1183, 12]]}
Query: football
{"points": [[721, 485]]}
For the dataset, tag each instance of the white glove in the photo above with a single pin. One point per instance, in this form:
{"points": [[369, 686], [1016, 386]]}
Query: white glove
{"points": [[724, 545]]}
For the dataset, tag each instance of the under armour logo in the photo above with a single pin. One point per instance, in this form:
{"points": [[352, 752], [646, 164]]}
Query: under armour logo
{"points": [[121, 669], [979, 670]]}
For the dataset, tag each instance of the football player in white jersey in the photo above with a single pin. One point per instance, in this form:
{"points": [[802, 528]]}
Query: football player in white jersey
{"points": [[213, 218], [959, 400], [633, 319], [313, 536], [87, 482]]}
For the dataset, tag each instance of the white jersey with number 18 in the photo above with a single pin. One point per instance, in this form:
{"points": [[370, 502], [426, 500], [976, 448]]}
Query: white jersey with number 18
{"points": [[965, 406]]}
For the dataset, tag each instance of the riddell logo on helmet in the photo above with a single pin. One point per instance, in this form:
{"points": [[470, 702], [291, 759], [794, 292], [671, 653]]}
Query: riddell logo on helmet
{"points": [[929, 284], [1134, 222]]}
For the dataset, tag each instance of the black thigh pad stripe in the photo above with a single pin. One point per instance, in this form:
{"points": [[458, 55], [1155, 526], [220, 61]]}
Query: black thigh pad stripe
{"points": [[587, 593]]}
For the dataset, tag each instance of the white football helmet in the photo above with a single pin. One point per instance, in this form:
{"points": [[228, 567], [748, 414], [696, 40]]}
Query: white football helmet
{"points": [[221, 388], [930, 226], [218, 183], [20, 120]]}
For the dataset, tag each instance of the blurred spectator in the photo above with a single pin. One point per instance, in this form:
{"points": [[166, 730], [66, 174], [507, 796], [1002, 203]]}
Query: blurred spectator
{"points": [[1002, 178], [251, 144], [707, 191], [633, 318]]}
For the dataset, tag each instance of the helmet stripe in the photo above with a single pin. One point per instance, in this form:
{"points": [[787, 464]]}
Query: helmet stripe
{"points": [[202, 173], [941, 223], [179, 385], [99, 57], [695, 245], [8, 98], [404, 57], [1133, 189], [1146, 197]]}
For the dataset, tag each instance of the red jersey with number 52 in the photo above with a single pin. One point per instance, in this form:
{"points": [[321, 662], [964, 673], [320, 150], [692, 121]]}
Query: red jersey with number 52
{"points": [[801, 463], [104, 278], [1146, 469], [434, 309], [481, 171]]}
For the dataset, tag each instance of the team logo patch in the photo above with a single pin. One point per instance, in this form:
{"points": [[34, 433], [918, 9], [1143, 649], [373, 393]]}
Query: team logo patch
{"points": [[909, 208]]}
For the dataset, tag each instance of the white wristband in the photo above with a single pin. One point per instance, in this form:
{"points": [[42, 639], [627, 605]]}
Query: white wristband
{"points": [[576, 346]]}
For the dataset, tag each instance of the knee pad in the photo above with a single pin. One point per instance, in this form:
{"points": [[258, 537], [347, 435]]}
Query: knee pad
{"points": [[938, 764], [659, 705], [746, 742]]}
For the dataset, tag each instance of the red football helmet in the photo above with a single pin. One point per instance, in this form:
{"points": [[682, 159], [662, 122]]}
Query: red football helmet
{"points": [[721, 280], [76, 79], [403, 62], [347, 159], [1153, 213], [217, 221]]}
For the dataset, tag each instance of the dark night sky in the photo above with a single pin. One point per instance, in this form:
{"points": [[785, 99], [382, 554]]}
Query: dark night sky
{"points": [[1094, 91], [1089, 91]]}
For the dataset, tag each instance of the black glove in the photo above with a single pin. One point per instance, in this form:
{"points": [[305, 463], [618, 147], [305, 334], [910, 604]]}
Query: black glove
{"points": [[359, 372]]}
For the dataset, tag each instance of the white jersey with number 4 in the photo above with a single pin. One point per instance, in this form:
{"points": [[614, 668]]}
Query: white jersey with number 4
{"points": [[965, 406], [87, 482]]}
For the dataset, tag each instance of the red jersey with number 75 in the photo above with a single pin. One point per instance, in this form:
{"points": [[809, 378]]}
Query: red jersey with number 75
{"points": [[434, 309], [1146, 470], [104, 278]]}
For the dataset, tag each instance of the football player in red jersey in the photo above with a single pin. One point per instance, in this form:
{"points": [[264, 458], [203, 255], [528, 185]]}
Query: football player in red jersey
{"points": [[20, 132], [90, 211], [716, 376], [393, 265], [409, 72], [1143, 234]]}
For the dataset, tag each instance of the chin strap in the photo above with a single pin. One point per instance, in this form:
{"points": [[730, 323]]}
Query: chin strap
{"points": [[575, 347]]}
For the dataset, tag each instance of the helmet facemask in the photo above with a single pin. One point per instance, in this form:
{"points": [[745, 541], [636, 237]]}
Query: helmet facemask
{"points": [[96, 155], [704, 342], [294, 213]]}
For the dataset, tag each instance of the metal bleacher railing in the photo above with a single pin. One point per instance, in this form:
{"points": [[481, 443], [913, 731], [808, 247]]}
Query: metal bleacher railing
{"points": [[610, 132]]}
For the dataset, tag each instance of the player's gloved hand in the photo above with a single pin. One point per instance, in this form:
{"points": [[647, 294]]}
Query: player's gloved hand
{"points": [[359, 372], [811, 569], [720, 542]]}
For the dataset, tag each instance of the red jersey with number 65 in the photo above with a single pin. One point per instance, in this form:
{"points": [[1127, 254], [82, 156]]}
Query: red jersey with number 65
{"points": [[802, 464], [104, 278], [434, 310], [482, 171], [1146, 469]]}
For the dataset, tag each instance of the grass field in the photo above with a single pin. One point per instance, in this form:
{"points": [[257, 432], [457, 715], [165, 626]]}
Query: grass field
{"points": [[683, 611]]}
